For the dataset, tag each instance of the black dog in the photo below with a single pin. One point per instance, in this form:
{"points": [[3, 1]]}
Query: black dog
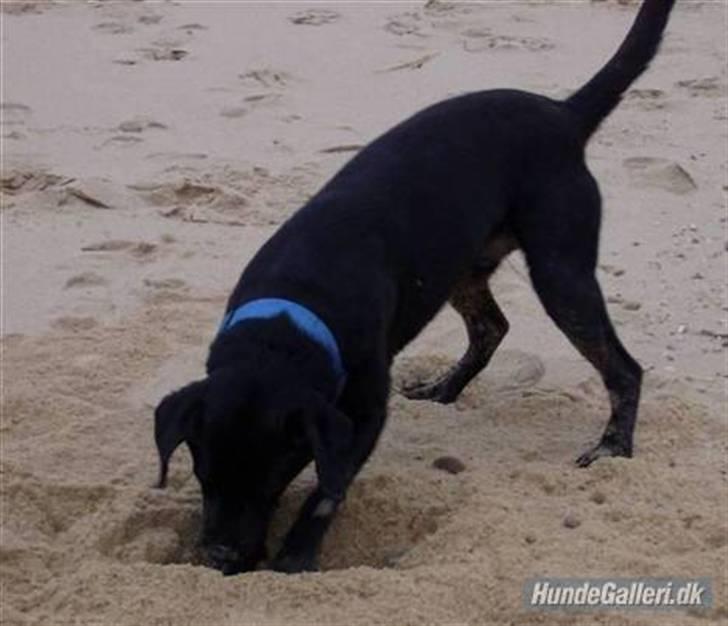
{"points": [[300, 368]]}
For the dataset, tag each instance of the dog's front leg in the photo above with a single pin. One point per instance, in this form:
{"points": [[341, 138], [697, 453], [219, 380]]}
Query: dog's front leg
{"points": [[301, 546]]}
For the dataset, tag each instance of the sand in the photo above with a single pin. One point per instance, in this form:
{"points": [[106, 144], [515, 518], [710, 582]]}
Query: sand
{"points": [[150, 148]]}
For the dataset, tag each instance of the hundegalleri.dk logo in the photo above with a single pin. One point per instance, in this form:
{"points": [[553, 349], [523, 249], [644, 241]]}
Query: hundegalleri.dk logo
{"points": [[617, 593]]}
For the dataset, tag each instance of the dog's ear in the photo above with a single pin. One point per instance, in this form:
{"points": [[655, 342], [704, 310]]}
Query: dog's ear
{"points": [[330, 434], [173, 421]]}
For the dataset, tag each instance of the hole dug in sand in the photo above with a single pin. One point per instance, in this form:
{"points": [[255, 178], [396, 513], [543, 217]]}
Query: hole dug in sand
{"points": [[158, 531], [383, 519]]}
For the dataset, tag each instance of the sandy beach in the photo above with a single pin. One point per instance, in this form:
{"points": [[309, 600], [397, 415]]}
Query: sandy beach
{"points": [[149, 149]]}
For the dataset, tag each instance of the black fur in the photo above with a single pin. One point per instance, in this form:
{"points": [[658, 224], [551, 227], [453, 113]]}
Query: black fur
{"points": [[424, 214], [595, 100]]}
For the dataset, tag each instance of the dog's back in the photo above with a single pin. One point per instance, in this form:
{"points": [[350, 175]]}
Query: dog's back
{"points": [[405, 218]]}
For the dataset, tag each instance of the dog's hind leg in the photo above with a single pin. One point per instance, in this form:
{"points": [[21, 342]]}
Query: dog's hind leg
{"points": [[486, 326], [559, 233]]}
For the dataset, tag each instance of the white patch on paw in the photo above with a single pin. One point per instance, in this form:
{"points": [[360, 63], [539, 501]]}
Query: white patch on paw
{"points": [[324, 508]]}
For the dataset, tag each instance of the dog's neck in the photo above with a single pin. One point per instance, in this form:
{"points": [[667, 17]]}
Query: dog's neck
{"points": [[279, 349]]}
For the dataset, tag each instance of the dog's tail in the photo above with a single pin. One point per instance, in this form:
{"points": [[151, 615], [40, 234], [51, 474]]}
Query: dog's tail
{"points": [[595, 100]]}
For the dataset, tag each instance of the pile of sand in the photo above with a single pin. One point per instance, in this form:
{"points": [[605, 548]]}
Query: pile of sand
{"points": [[148, 151]]}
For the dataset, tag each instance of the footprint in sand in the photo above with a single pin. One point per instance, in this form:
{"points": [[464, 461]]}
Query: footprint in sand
{"points": [[171, 156], [160, 50], [256, 78], [165, 283], [138, 249], [122, 140], [150, 19], [406, 24], [229, 196], [482, 40], [315, 17], [660, 173], [710, 87], [188, 28], [440, 8], [262, 99], [143, 249], [140, 124], [110, 245], [518, 370], [23, 8], [14, 109], [14, 114], [265, 77], [86, 279], [114, 28], [645, 99], [164, 53], [21, 181]]}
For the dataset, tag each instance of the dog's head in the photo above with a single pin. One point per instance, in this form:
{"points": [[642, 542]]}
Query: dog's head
{"points": [[248, 441]]}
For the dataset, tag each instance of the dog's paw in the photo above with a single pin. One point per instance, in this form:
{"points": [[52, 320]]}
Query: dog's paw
{"points": [[294, 564], [436, 392], [605, 448]]}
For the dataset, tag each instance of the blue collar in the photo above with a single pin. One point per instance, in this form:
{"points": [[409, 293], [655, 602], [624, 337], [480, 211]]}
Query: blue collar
{"points": [[304, 319]]}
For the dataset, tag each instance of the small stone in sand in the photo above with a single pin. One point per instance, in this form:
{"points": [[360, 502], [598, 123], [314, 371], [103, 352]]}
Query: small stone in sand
{"points": [[449, 464], [571, 521]]}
